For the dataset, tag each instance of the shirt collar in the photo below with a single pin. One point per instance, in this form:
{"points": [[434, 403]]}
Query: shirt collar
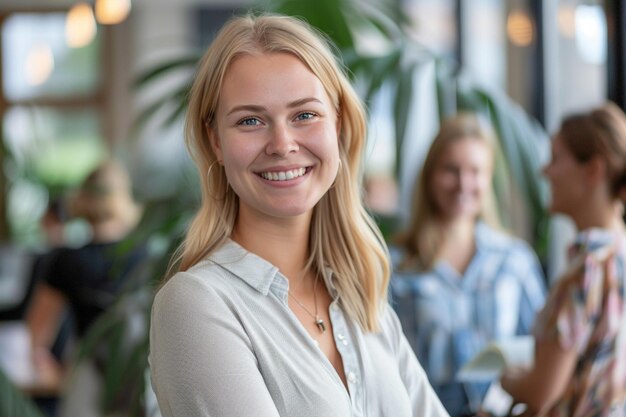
{"points": [[594, 238], [486, 237], [257, 272], [250, 268]]}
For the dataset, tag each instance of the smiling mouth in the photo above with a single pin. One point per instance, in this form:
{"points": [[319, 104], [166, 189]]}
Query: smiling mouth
{"points": [[284, 175]]}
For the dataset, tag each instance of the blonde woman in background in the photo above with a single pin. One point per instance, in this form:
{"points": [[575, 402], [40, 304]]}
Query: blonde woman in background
{"points": [[580, 350], [279, 306], [86, 280], [459, 282]]}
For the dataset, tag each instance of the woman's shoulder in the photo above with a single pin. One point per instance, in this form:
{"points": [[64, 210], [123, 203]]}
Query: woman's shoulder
{"points": [[206, 277], [586, 268], [496, 240], [403, 264], [389, 322], [591, 250], [396, 254]]}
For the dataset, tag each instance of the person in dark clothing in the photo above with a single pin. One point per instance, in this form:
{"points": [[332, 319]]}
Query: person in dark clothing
{"points": [[87, 280], [52, 224]]}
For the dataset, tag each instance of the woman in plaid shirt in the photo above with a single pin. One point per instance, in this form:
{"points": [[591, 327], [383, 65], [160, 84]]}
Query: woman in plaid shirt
{"points": [[459, 282]]}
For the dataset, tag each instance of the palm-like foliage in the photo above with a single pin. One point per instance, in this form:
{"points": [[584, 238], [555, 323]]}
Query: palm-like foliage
{"points": [[13, 402]]}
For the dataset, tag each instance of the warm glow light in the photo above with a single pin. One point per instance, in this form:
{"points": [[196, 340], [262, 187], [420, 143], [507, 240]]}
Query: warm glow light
{"points": [[39, 64], [111, 12], [519, 27], [80, 26], [566, 20]]}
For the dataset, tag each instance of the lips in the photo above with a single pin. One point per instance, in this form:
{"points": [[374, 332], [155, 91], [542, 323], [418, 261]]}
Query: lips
{"points": [[283, 175]]}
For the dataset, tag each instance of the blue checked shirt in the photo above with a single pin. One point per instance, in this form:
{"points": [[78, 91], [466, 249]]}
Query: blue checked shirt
{"points": [[449, 318]]}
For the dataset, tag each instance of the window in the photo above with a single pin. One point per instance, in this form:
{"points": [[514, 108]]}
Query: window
{"points": [[51, 111]]}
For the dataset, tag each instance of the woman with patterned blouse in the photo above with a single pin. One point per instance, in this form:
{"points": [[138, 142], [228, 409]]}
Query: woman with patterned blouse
{"points": [[580, 353], [459, 282]]}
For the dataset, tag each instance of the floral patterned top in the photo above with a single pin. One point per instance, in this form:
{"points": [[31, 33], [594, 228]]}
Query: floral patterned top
{"points": [[586, 312]]}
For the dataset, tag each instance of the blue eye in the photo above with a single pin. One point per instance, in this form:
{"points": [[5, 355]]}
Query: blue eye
{"points": [[249, 121], [307, 115]]}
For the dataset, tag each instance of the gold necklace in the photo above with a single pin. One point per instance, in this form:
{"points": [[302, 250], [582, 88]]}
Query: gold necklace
{"points": [[317, 320]]}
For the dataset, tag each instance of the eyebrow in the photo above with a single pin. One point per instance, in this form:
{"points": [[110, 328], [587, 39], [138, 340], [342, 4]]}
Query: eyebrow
{"points": [[257, 108]]}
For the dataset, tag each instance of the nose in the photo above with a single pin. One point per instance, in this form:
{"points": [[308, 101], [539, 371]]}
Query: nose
{"points": [[465, 180], [281, 141]]}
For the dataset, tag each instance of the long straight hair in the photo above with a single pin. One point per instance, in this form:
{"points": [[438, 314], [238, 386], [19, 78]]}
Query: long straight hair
{"points": [[423, 238], [343, 237]]}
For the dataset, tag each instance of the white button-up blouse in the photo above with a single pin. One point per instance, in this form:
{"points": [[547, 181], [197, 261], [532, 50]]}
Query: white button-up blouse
{"points": [[223, 342]]}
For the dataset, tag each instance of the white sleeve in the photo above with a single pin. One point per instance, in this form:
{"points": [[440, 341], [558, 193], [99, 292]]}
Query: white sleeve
{"points": [[424, 401], [201, 360]]}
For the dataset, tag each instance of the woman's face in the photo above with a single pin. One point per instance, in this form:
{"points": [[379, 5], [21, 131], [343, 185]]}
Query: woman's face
{"points": [[276, 133], [567, 177], [461, 179]]}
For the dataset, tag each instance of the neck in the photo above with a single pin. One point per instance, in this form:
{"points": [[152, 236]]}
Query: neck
{"points": [[282, 242], [458, 229], [598, 215]]}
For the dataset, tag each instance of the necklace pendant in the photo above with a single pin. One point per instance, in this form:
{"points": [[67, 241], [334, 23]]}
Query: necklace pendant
{"points": [[320, 324]]}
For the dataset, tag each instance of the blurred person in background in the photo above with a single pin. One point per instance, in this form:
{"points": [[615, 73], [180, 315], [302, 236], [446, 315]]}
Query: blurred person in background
{"points": [[459, 282], [52, 224], [87, 280], [580, 348]]}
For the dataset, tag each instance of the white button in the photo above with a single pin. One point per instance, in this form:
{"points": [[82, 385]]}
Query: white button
{"points": [[352, 377], [340, 336], [345, 342]]}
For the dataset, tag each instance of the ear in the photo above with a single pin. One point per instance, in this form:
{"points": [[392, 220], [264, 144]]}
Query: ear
{"points": [[214, 140], [596, 170]]}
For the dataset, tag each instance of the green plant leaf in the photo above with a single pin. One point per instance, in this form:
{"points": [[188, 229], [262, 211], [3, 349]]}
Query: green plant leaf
{"points": [[13, 402], [402, 108], [185, 63], [329, 16]]}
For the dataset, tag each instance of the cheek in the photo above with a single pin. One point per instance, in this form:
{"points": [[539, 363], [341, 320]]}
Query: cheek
{"points": [[440, 195], [240, 152], [484, 183], [324, 140], [443, 180]]}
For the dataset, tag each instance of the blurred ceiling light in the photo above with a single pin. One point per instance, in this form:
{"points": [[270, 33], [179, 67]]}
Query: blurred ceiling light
{"points": [[519, 27], [39, 64], [111, 12], [591, 33], [566, 20], [80, 26]]}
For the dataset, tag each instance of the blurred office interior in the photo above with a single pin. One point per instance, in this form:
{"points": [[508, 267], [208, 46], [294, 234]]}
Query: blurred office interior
{"points": [[82, 81]]}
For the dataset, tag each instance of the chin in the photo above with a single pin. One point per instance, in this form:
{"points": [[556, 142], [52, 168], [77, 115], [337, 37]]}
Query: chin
{"points": [[287, 211], [467, 212]]}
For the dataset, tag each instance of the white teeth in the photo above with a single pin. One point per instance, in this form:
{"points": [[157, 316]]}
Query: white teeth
{"points": [[283, 175]]}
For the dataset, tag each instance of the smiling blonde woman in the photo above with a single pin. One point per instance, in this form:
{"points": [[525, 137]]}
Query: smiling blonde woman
{"points": [[278, 306]]}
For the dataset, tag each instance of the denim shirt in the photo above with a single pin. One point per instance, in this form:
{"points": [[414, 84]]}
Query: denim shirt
{"points": [[448, 318]]}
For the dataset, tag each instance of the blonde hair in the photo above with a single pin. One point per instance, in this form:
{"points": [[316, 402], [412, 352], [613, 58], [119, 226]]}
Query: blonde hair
{"points": [[423, 238], [342, 236], [106, 196]]}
